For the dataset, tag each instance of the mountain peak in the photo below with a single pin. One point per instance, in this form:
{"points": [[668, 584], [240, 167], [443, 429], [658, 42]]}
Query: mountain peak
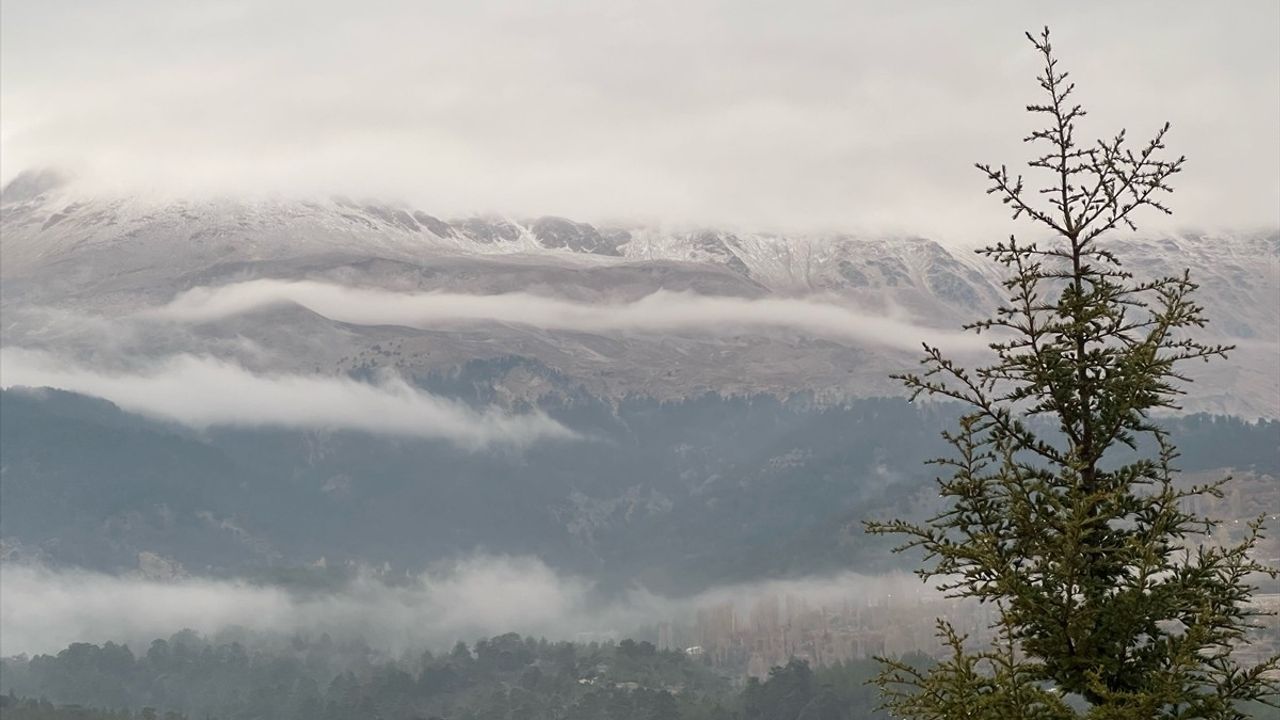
{"points": [[31, 184]]}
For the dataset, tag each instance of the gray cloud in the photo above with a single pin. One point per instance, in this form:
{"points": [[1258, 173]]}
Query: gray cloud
{"points": [[202, 392], [661, 311], [817, 114], [43, 609]]}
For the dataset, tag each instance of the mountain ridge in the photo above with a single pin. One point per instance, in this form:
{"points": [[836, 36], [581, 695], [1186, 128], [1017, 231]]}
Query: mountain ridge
{"points": [[115, 257]]}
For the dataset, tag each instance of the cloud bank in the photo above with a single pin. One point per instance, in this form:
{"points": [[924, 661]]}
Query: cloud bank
{"points": [[203, 392], [43, 610], [825, 113], [661, 311]]}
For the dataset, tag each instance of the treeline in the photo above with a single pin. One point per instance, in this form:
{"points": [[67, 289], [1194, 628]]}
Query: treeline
{"points": [[502, 678], [15, 708]]}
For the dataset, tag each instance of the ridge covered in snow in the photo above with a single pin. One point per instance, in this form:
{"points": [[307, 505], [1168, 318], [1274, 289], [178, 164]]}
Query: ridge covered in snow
{"points": [[114, 257]]}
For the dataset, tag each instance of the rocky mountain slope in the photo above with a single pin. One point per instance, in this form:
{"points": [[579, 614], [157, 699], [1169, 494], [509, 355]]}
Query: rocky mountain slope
{"points": [[72, 265]]}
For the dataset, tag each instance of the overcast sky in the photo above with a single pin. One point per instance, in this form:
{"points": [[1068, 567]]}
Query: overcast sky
{"points": [[782, 115]]}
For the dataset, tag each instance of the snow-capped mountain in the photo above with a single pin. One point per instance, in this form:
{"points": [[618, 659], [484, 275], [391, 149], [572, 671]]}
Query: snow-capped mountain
{"points": [[67, 258], [45, 228]]}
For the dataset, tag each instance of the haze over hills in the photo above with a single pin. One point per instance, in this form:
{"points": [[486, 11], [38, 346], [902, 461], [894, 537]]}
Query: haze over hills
{"points": [[558, 361], [366, 383]]}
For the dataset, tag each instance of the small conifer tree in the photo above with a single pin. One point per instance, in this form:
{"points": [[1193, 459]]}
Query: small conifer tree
{"points": [[1111, 600]]}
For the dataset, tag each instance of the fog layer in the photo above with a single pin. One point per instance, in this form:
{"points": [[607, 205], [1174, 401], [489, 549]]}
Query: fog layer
{"points": [[43, 610], [203, 392], [813, 113], [661, 311]]}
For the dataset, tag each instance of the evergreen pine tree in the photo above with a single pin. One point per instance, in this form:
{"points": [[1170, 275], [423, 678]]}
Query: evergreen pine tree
{"points": [[1113, 601]]}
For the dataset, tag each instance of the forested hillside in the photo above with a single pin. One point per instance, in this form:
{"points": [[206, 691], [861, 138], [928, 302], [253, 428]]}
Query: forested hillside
{"points": [[501, 678]]}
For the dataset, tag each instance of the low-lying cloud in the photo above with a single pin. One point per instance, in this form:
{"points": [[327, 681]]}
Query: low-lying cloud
{"points": [[832, 114], [204, 392], [661, 311], [44, 610]]}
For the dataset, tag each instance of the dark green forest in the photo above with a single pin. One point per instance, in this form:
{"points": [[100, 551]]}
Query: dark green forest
{"points": [[502, 678], [677, 496]]}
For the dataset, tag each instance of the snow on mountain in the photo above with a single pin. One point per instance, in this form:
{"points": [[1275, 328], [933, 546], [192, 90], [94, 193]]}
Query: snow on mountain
{"points": [[109, 257]]}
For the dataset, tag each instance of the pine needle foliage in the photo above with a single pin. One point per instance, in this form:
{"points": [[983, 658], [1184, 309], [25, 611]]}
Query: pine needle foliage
{"points": [[1113, 603]]}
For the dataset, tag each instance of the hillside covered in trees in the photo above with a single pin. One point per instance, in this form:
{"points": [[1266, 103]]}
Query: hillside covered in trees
{"points": [[189, 676]]}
